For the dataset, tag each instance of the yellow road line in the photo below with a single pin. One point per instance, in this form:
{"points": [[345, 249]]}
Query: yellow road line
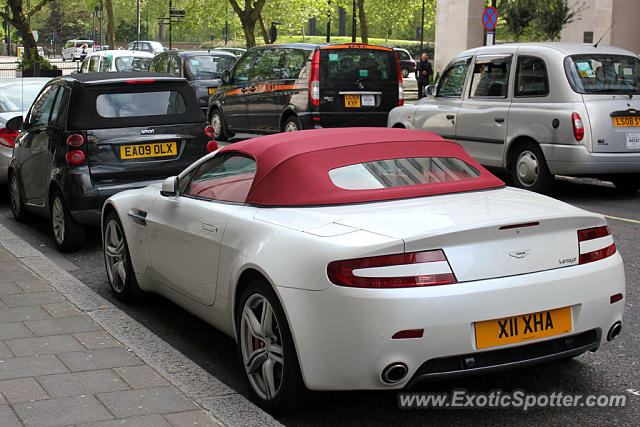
{"points": [[621, 219]]}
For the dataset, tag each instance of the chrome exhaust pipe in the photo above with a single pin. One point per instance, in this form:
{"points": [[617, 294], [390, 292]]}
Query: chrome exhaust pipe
{"points": [[394, 372], [614, 331]]}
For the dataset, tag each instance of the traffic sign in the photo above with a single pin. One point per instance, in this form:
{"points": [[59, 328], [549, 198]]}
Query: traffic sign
{"points": [[489, 18], [177, 12]]}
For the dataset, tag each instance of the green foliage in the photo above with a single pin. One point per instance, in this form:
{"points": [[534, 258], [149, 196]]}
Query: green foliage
{"points": [[555, 15], [517, 15], [25, 63]]}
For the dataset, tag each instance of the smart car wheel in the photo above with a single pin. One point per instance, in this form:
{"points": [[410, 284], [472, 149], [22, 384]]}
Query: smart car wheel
{"points": [[529, 169], [15, 193], [117, 260], [266, 349], [217, 123], [68, 235], [292, 124]]}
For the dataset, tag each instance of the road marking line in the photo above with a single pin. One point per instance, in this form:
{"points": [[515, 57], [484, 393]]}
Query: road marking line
{"points": [[622, 219]]}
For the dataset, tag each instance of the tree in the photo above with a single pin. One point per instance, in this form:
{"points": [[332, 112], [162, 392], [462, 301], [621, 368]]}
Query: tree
{"points": [[111, 25], [517, 15], [553, 15], [249, 16], [362, 20], [20, 20]]}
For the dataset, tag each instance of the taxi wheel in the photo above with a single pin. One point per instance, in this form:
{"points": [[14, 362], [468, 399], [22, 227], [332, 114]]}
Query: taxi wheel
{"points": [[15, 193], [122, 279], [528, 168], [217, 123], [292, 124], [68, 235], [267, 351]]}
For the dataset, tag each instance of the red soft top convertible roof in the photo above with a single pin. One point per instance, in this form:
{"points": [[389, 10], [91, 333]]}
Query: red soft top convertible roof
{"points": [[293, 167]]}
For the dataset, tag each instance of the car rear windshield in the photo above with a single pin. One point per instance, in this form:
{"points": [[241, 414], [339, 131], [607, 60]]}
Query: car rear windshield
{"points": [[603, 73], [401, 172], [131, 63], [351, 65], [113, 105], [207, 67]]}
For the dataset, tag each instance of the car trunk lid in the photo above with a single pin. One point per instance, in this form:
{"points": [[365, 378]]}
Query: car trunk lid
{"points": [[614, 121]]}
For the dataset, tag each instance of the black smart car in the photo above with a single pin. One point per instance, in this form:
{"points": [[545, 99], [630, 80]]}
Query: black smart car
{"points": [[89, 136], [294, 86], [203, 69]]}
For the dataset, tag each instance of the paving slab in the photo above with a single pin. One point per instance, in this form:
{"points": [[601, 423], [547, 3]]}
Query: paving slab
{"points": [[8, 418], [99, 359], [145, 401], [61, 412], [19, 314], [22, 390], [79, 383], [43, 345], [61, 325], [141, 377], [14, 330], [24, 367], [96, 340]]}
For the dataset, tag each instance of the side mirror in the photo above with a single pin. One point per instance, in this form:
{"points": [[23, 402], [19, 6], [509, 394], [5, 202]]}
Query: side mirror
{"points": [[226, 77], [15, 123], [430, 90], [170, 187]]}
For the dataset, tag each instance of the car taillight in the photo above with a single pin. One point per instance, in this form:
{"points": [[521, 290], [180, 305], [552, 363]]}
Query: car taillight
{"points": [[400, 85], [140, 81], [75, 140], [314, 80], [75, 157], [7, 137], [429, 268], [209, 131], [595, 244], [578, 126], [212, 146]]}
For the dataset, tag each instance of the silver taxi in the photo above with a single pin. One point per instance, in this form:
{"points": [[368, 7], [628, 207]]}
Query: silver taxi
{"points": [[539, 110]]}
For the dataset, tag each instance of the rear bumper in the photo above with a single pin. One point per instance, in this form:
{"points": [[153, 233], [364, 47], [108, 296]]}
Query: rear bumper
{"points": [[343, 119], [577, 160], [343, 335]]}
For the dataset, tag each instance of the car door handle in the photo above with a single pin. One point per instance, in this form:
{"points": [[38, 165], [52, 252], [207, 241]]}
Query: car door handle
{"points": [[451, 116], [244, 90], [499, 119], [138, 216], [210, 228], [252, 88]]}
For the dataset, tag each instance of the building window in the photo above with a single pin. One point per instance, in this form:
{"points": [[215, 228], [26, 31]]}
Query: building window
{"points": [[588, 37]]}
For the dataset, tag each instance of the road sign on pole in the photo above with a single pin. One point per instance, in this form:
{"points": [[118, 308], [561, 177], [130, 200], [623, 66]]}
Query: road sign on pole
{"points": [[489, 21]]}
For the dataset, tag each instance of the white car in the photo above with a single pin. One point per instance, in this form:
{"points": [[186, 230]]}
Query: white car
{"points": [[76, 49], [344, 259], [116, 60]]}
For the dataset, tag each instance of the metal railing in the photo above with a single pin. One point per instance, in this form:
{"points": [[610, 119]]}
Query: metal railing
{"points": [[10, 70]]}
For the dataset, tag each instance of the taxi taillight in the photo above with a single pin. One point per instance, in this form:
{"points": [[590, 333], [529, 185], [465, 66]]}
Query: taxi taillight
{"points": [[595, 244], [314, 80], [400, 84], [417, 269], [578, 126]]}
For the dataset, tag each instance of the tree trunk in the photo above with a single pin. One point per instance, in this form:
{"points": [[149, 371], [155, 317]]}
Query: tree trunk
{"points": [[20, 22], [263, 29], [249, 28], [364, 35], [111, 25], [248, 17]]}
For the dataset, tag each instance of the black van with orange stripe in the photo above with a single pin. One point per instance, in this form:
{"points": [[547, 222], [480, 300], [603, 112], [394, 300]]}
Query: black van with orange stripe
{"points": [[288, 87]]}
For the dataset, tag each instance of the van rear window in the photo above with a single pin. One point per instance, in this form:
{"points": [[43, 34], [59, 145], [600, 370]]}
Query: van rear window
{"points": [[603, 73], [113, 105], [351, 65]]}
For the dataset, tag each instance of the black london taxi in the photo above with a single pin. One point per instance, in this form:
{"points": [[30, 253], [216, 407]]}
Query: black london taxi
{"points": [[288, 87], [89, 136]]}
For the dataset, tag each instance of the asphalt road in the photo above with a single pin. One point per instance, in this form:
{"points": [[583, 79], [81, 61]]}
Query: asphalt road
{"points": [[612, 370]]}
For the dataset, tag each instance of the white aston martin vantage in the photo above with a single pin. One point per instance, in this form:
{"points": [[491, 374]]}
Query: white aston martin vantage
{"points": [[344, 259]]}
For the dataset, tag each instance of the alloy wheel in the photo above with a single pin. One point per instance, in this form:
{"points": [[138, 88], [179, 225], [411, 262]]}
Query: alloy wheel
{"points": [[261, 347], [115, 255], [58, 220], [16, 201], [216, 124], [291, 126]]}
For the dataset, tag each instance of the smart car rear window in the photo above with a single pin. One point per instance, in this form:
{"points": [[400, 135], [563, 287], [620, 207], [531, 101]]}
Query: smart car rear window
{"points": [[401, 172], [114, 105]]}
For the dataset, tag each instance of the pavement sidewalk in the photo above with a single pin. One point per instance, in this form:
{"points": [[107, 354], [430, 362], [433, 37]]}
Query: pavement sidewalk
{"points": [[69, 357]]}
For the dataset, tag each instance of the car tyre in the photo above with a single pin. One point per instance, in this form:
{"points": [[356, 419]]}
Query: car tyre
{"points": [[292, 124], [67, 234], [117, 261], [219, 128], [405, 73], [528, 168], [267, 351], [15, 194], [627, 183]]}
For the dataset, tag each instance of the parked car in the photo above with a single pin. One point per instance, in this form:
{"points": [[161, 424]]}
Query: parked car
{"points": [[146, 46], [407, 63], [73, 49], [295, 86], [368, 259], [237, 51], [539, 110], [89, 136], [16, 96], [116, 60], [203, 69]]}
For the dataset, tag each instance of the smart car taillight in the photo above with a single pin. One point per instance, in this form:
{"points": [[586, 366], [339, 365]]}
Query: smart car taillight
{"points": [[314, 80], [75, 140], [429, 268], [75, 157], [212, 146], [209, 131], [400, 85], [595, 244], [578, 126], [7, 137]]}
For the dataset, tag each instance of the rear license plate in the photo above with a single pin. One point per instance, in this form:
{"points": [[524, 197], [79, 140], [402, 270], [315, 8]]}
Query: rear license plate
{"points": [[510, 330], [626, 121], [352, 101], [633, 141], [368, 101], [212, 90], [157, 149]]}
